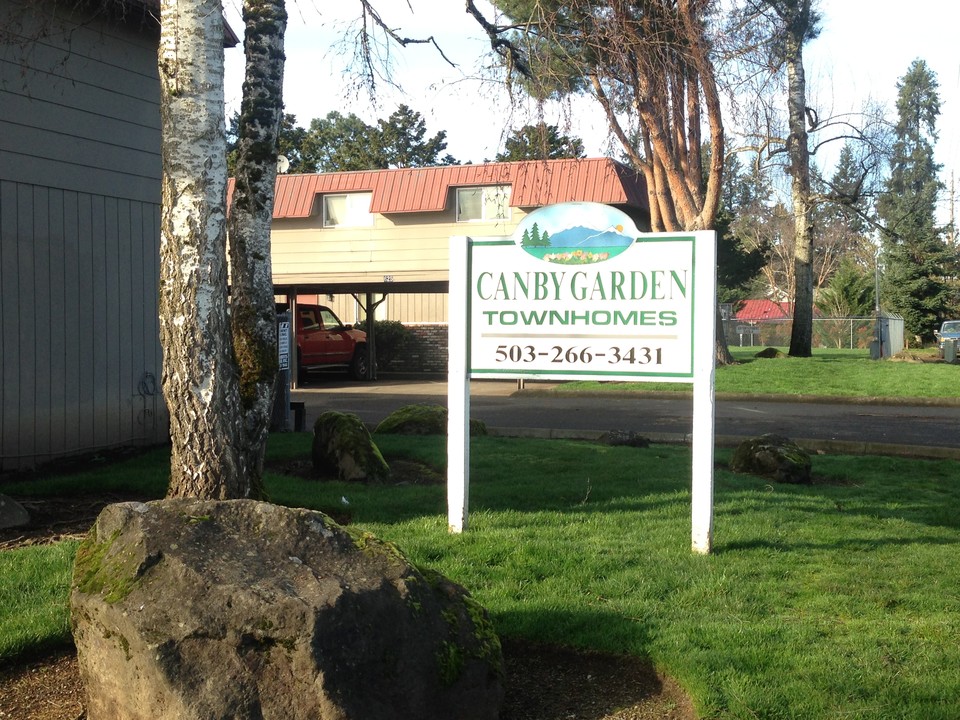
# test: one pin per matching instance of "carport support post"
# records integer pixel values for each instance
(458, 389)
(371, 339)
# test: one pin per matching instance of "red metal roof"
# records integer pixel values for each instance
(763, 309)
(534, 183)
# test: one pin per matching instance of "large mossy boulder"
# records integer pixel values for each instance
(773, 456)
(343, 448)
(192, 610)
(423, 419)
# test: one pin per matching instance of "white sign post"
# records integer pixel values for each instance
(579, 293)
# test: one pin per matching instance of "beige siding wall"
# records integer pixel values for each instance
(407, 308)
(405, 247)
(80, 358)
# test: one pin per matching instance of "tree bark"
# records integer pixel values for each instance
(801, 336)
(253, 318)
(199, 381)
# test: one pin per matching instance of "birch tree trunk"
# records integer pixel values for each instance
(254, 317)
(801, 336)
(199, 380)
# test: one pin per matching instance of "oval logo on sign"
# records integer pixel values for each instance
(576, 233)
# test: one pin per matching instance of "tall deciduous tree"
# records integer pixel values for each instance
(199, 378)
(776, 31)
(253, 317)
(649, 67)
(211, 444)
(916, 260)
(766, 40)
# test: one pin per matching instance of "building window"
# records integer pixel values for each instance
(349, 210)
(483, 204)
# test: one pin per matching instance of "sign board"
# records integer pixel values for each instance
(577, 293)
(283, 344)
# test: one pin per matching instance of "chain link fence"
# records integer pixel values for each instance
(840, 332)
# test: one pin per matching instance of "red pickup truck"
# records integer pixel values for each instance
(323, 343)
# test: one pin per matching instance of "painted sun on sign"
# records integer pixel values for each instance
(577, 233)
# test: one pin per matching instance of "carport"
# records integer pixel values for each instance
(366, 296)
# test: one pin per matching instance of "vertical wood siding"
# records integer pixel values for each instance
(80, 357)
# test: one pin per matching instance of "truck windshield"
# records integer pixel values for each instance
(951, 327)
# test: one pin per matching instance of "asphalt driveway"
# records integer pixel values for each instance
(858, 426)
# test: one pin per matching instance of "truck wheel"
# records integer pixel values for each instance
(358, 368)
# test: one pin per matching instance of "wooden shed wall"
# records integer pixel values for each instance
(80, 357)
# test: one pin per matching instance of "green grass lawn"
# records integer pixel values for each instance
(834, 600)
(837, 373)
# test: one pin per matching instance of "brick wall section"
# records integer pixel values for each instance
(430, 352)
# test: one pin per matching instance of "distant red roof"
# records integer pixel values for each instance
(763, 309)
(534, 183)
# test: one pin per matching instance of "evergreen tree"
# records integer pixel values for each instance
(738, 262)
(540, 142)
(916, 260)
(400, 141)
(339, 143)
(850, 292)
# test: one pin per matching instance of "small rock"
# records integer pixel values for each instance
(342, 446)
(630, 438)
(12, 513)
(423, 419)
(773, 456)
(770, 352)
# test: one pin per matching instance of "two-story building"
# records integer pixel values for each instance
(340, 238)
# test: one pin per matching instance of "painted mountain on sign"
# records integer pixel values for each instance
(576, 233)
(584, 237)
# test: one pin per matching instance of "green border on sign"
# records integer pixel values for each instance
(640, 375)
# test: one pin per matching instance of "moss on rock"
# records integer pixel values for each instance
(423, 419)
(342, 446)
(97, 571)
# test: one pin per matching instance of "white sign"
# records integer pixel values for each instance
(579, 292)
(626, 318)
(283, 344)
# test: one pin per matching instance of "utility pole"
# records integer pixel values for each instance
(952, 227)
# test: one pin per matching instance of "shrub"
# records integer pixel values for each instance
(394, 342)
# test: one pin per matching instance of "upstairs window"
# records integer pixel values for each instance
(348, 210)
(483, 204)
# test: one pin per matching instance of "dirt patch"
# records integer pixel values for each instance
(543, 682)
(53, 519)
